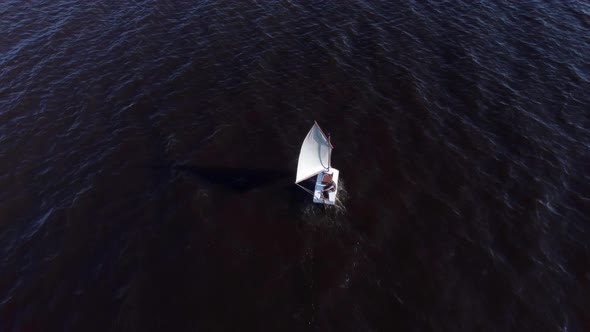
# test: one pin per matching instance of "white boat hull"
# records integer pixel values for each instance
(318, 195)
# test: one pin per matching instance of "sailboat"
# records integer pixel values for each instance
(314, 160)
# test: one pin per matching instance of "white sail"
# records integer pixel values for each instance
(315, 154)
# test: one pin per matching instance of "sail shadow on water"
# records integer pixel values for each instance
(276, 182)
(237, 179)
(270, 183)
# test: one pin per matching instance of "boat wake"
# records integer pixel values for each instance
(340, 206)
(324, 216)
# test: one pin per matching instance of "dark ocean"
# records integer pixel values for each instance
(148, 152)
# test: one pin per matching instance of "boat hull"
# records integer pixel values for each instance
(318, 195)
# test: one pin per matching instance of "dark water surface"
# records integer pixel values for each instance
(148, 153)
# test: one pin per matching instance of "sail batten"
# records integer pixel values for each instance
(314, 156)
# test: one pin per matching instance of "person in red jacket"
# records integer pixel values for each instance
(328, 187)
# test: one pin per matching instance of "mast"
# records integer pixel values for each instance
(330, 153)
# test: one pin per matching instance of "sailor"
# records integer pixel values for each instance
(329, 187)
